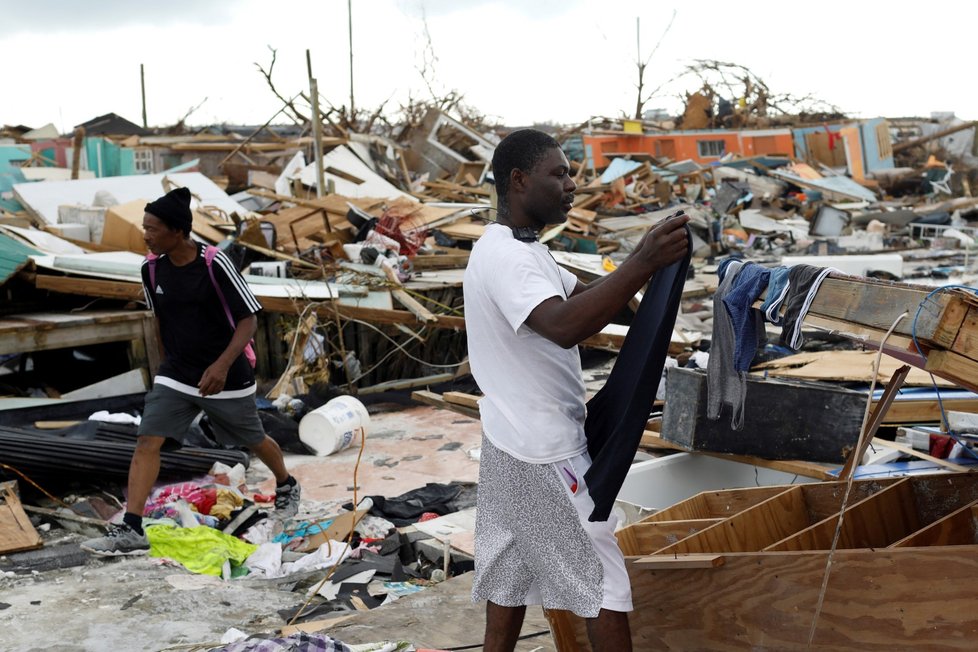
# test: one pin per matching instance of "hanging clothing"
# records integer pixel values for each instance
(617, 414)
(724, 384)
(747, 321)
(804, 282)
(777, 290)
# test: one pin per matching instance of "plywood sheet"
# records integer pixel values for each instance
(843, 366)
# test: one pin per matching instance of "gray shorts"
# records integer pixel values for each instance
(534, 543)
(169, 413)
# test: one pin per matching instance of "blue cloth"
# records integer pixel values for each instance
(777, 290)
(748, 326)
(724, 264)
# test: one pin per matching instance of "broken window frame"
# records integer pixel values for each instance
(705, 148)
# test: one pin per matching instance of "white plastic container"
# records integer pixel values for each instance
(334, 426)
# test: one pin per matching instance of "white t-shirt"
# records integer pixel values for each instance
(533, 406)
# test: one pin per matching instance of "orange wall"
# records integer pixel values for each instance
(680, 145)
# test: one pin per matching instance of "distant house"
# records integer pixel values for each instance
(703, 146)
(104, 152)
(861, 147)
(111, 124)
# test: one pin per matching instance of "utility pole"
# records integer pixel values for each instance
(349, 26)
(142, 84)
(76, 150)
(317, 128)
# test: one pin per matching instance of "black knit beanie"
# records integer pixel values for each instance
(173, 209)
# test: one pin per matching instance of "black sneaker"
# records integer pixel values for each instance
(119, 540)
(287, 500)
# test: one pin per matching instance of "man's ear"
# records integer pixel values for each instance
(517, 180)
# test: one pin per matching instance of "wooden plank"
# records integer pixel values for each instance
(716, 504)
(42, 336)
(753, 529)
(406, 383)
(129, 291)
(65, 515)
(873, 424)
(461, 398)
(825, 499)
(966, 342)
(16, 531)
(768, 604)
(909, 450)
(842, 366)
(923, 411)
(958, 528)
(406, 300)
(954, 366)
(878, 303)
(679, 562)
(646, 538)
(876, 601)
(436, 400)
(423, 262)
(874, 522)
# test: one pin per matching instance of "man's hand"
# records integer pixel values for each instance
(665, 243)
(213, 379)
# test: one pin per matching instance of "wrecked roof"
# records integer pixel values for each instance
(14, 256)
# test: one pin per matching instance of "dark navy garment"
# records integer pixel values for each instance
(777, 289)
(618, 413)
(747, 322)
(804, 283)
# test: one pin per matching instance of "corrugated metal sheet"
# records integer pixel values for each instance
(13, 256)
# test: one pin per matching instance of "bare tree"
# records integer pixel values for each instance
(297, 115)
(640, 100)
(751, 100)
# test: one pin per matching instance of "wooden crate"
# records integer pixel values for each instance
(743, 569)
(783, 420)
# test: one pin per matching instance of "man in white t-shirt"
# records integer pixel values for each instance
(524, 317)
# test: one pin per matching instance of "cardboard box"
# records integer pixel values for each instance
(123, 228)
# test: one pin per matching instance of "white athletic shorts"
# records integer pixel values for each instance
(534, 544)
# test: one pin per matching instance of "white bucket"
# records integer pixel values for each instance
(333, 426)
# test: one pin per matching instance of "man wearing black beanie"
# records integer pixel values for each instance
(204, 366)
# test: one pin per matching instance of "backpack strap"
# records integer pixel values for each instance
(151, 259)
(210, 252)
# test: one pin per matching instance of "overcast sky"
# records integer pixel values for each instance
(66, 61)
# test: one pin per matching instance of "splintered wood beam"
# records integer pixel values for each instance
(878, 303)
(874, 422)
(954, 367)
(407, 383)
(463, 399)
(437, 400)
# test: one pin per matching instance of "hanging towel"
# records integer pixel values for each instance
(618, 413)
